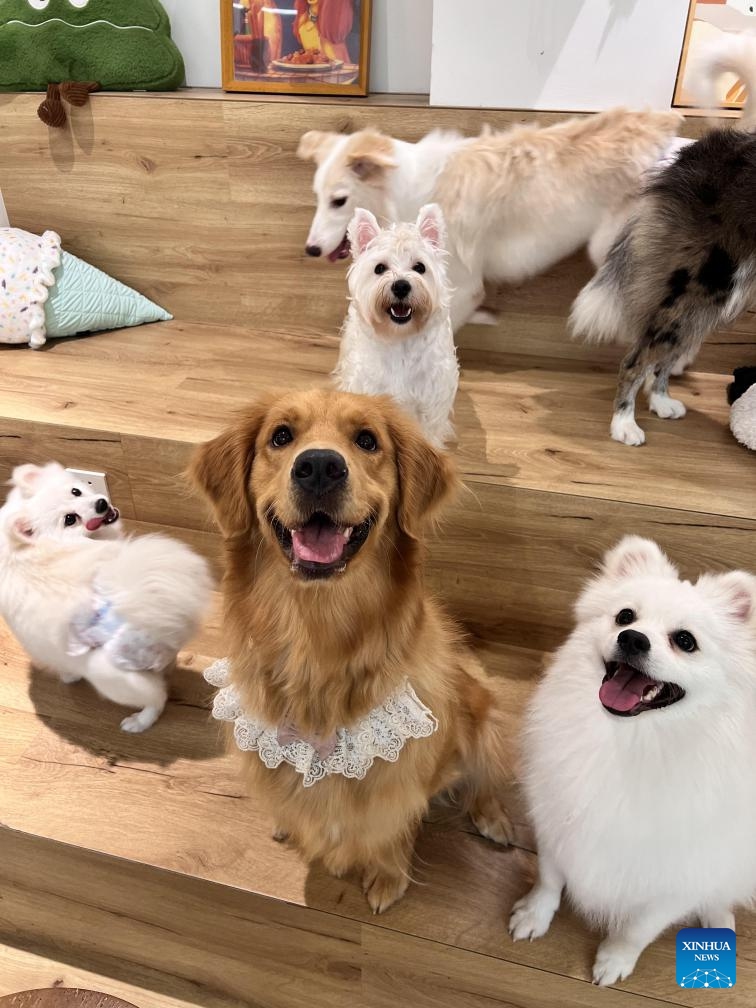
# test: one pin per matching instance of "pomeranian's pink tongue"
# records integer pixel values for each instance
(94, 523)
(625, 689)
(319, 543)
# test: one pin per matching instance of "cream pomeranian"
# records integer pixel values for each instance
(114, 612)
(640, 757)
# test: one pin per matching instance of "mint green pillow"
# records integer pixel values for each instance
(46, 292)
(85, 299)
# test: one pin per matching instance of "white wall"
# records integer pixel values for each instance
(401, 45)
(195, 26)
(572, 55)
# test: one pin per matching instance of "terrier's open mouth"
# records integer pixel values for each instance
(341, 251)
(400, 312)
(97, 521)
(321, 548)
(625, 691)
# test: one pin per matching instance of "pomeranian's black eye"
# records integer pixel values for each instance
(281, 437)
(685, 640)
(624, 617)
(419, 267)
(381, 268)
(70, 519)
(366, 440)
(339, 201)
(76, 492)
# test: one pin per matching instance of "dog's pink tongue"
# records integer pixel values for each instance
(341, 252)
(625, 689)
(318, 543)
(94, 523)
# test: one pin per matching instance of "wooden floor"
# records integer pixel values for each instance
(101, 815)
(135, 865)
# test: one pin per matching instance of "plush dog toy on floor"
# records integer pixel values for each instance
(741, 395)
(640, 757)
(397, 339)
(114, 612)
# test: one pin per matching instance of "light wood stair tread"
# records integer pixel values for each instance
(525, 422)
(171, 800)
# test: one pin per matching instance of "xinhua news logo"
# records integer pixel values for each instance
(706, 958)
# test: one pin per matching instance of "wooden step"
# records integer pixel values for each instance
(204, 207)
(139, 858)
(548, 490)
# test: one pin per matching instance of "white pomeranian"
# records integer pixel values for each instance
(114, 612)
(640, 757)
(58, 504)
(397, 339)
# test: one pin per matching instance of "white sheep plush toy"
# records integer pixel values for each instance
(741, 395)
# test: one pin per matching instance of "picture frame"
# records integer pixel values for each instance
(708, 19)
(316, 47)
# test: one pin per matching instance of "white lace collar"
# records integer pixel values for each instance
(350, 752)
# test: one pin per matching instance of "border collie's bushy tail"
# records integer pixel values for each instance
(730, 54)
(596, 315)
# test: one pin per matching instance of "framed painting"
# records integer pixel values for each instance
(296, 46)
(708, 20)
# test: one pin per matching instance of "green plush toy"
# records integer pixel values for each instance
(73, 47)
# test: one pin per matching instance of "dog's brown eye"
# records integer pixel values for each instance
(685, 640)
(366, 441)
(281, 437)
(339, 201)
(419, 267)
(76, 492)
(380, 268)
(70, 520)
(624, 617)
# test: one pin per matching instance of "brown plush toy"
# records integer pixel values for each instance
(52, 111)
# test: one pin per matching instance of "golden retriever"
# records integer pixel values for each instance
(322, 499)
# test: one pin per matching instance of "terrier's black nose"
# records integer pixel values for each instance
(101, 506)
(313, 250)
(401, 288)
(319, 471)
(632, 643)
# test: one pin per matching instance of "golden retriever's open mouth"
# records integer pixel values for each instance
(626, 691)
(321, 548)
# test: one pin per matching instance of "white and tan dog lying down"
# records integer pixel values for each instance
(515, 202)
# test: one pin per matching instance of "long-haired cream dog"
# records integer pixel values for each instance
(515, 202)
(351, 694)
(640, 757)
(685, 261)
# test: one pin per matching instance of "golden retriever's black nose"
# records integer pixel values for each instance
(101, 506)
(401, 288)
(319, 471)
(633, 643)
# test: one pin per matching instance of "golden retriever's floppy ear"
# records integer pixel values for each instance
(369, 155)
(427, 476)
(316, 145)
(221, 468)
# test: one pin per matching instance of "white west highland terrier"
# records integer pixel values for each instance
(397, 339)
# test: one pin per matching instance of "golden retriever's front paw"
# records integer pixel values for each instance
(383, 889)
(491, 821)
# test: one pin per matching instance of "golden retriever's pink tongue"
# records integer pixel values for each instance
(625, 689)
(318, 543)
